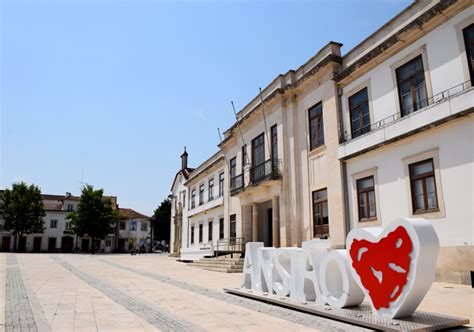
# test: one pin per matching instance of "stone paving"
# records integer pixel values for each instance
(41, 292)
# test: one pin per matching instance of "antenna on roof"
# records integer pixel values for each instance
(241, 136)
(82, 180)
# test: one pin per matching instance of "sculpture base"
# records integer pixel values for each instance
(360, 315)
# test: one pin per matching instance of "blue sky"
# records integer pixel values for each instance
(117, 88)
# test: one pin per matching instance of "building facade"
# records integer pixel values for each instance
(133, 230)
(57, 236)
(356, 140)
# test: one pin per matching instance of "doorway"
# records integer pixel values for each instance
(51, 244)
(269, 228)
(36, 244)
(6, 242)
(22, 244)
(121, 245)
(85, 245)
(67, 244)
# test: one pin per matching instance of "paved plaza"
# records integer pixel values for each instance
(41, 292)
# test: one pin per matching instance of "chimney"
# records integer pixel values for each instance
(184, 159)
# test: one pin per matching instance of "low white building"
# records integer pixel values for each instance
(133, 230)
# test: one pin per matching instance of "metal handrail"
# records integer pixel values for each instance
(236, 183)
(413, 109)
(269, 169)
(229, 245)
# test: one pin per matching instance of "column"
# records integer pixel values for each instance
(254, 222)
(276, 221)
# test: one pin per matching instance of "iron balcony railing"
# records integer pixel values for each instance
(268, 170)
(236, 184)
(419, 106)
(229, 246)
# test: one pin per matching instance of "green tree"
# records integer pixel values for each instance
(161, 220)
(22, 210)
(95, 215)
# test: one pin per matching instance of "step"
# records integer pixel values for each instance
(221, 269)
(218, 263)
(239, 267)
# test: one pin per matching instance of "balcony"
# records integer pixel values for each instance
(426, 113)
(236, 184)
(268, 170)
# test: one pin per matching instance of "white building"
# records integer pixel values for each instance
(382, 132)
(133, 230)
(409, 127)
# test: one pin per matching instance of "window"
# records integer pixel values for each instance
(184, 198)
(200, 233)
(209, 231)
(366, 199)
(192, 234)
(316, 126)
(210, 190)
(201, 194)
(133, 225)
(359, 110)
(233, 228)
(70, 207)
(244, 156)
(468, 34)
(221, 184)
(274, 133)
(144, 226)
(66, 226)
(320, 213)
(221, 228)
(258, 150)
(193, 199)
(423, 186)
(108, 243)
(411, 86)
(53, 223)
(233, 167)
(122, 225)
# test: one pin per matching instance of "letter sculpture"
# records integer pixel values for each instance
(394, 267)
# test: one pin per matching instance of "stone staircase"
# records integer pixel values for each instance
(220, 264)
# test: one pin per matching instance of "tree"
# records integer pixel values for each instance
(95, 215)
(161, 221)
(22, 210)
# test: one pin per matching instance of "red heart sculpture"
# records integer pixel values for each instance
(383, 266)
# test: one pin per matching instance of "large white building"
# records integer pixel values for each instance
(355, 140)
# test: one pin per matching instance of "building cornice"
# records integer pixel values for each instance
(421, 25)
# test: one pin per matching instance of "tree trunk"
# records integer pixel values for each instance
(15, 241)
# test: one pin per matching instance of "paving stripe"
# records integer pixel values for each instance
(266, 308)
(150, 312)
(18, 312)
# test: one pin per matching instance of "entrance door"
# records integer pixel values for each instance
(320, 214)
(270, 227)
(22, 244)
(37, 244)
(67, 244)
(121, 245)
(6, 241)
(85, 245)
(51, 244)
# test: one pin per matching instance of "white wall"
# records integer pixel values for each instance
(454, 144)
(446, 63)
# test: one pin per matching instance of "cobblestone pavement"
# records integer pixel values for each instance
(18, 313)
(151, 292)
(151, 313)
(269, 309)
